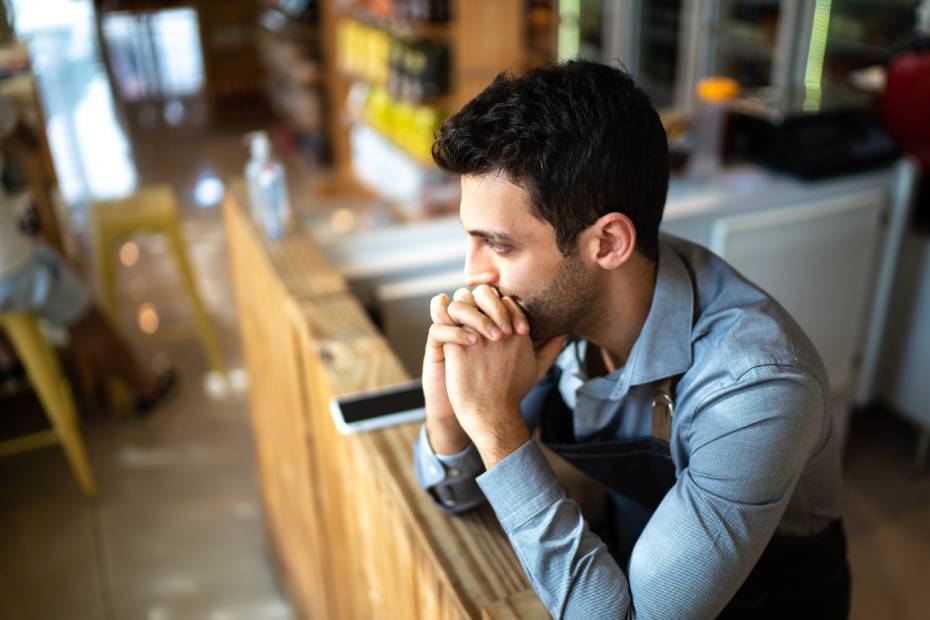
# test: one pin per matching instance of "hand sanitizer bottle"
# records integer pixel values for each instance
(267, 187)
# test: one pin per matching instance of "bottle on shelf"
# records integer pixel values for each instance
(267, 187)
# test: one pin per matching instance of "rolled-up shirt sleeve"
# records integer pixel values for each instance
(749, 442)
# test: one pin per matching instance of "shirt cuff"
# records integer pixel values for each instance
(435, 468)
(520, 486)
(450, 479)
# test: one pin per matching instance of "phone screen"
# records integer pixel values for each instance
(383, 402)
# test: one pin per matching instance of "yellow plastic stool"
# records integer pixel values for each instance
(152, 209)
(47, 380)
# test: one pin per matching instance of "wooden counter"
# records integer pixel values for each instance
(351, 531)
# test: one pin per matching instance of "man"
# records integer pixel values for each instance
(645, 361)
(34, 279)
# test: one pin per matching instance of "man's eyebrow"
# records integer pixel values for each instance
(498, 237)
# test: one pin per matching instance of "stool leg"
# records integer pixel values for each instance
(207, 338)
(45, 375)
(105, 266)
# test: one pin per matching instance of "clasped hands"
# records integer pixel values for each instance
(479, 364)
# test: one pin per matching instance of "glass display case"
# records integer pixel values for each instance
(582, 29)
(781, 52)
(670, 44)
(658, 49)
(742, 41)
(642, 36)
(862, 33)
(762, 44)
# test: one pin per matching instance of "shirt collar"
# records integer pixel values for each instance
(663, 348)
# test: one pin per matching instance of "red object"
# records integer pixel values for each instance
(906, 105)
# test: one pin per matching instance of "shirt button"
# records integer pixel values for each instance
(453, 473)
(449, 502)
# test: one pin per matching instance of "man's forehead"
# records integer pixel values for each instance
(493, 204)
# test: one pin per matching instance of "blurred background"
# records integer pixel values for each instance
(799, 134)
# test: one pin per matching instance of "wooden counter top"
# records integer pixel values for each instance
(353, 534)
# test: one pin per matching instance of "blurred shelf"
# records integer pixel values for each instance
(857, 48)
(418, 159)
(744, 48)
(283, 59)
(380, 165)
(661, 34)
(290, 48)
(291, 18)
(483, 37)
(291, 30)
(899, 5)
(440, 101)
(401, 27)
(541, 18)
(304, 75)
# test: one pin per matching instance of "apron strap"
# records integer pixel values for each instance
(663, 408)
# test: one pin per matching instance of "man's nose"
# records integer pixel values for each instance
(478, 271)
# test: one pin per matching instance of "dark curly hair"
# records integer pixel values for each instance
(580, 137)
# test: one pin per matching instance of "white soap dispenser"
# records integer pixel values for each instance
(267, 187)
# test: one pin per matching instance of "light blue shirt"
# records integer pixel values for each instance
(752, 442)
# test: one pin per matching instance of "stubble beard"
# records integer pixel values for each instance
(559, 308)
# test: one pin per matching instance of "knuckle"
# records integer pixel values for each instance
(486, 292)
(441, 315)
(460, 308)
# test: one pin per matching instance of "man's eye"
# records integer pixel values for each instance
(496, 247)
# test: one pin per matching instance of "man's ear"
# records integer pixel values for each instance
(610, 241)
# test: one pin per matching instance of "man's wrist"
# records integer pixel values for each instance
(446, 436)
(508, 433)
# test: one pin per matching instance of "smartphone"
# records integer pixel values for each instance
(371, 409)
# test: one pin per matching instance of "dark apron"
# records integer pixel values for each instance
(806, 577)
